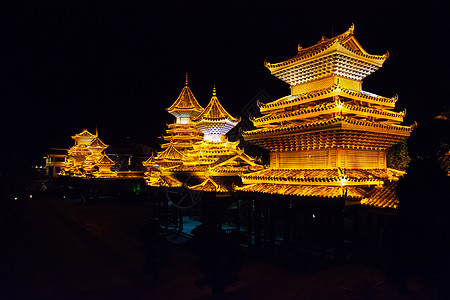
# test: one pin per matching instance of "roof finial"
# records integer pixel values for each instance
(214, 90)
(186, 78)
(352, 27)
(96, 130)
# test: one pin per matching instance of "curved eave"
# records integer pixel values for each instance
(329, 192)
(335, 90)
(334, 46)
(214, 111)
(171, 153)
(329, 108)
(331, 124)
(216, 121)
(186, 100)
(184, 112)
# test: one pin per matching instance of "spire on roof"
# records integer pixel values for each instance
(214, 111)
(215, 121)
(186, 105)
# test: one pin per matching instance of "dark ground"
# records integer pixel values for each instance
(61, 249)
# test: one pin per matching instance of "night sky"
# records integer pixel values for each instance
(118, 66)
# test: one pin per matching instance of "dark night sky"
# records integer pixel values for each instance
(65, 68)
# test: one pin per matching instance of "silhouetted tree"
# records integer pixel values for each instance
(155, 247)
(220, 256)
(419, 238)
(398, 157)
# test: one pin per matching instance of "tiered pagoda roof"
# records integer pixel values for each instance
(84, 137)
(215, 121)
(181, 135)
(337, 131)
(304, 99)
(332, 177)
(329, 135)
(205, 155)
(183, 132)
(335, 55)
(383, 196)
(186, 105)
(87, 158)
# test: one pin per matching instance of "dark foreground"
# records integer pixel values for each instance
(62, 249)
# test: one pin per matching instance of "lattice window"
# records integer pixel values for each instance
(304, 159)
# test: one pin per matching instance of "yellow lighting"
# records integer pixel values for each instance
(328, 137)
(86, 158)
(196, 144)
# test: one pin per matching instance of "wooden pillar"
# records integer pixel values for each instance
(158, 200)
(322, 231)
(180, 220)
(356, 232)
(271, 220)
(370, 223)
(287, 225)
(249, 222)
(166, 214)
(293, 223)
(339, 234)
(95, 189)
(238, 213)
(257, 222)
(267, 225)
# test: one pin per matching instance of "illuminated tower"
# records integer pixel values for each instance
(183, 133)
(214, 122)
(78, 153)
(329, 137)
(97, 148)
(207, 161)
(87, 157)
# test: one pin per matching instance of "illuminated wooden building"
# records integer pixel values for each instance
(183, 133)
(328, 138)
(55, 161)
(87, 157)
(198, 149)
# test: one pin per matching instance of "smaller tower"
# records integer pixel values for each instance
(215, 121)
(182, 134)
(186, 106)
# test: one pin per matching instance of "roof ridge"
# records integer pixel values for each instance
(215, 111)
(171, 152)
(324, 44)
(186, 100)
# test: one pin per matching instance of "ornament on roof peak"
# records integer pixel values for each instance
(351, 28)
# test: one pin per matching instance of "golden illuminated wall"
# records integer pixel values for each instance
(325, 83)
(329, 159)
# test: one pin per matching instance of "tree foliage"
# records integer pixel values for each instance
(397, 156)
(419, 238)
